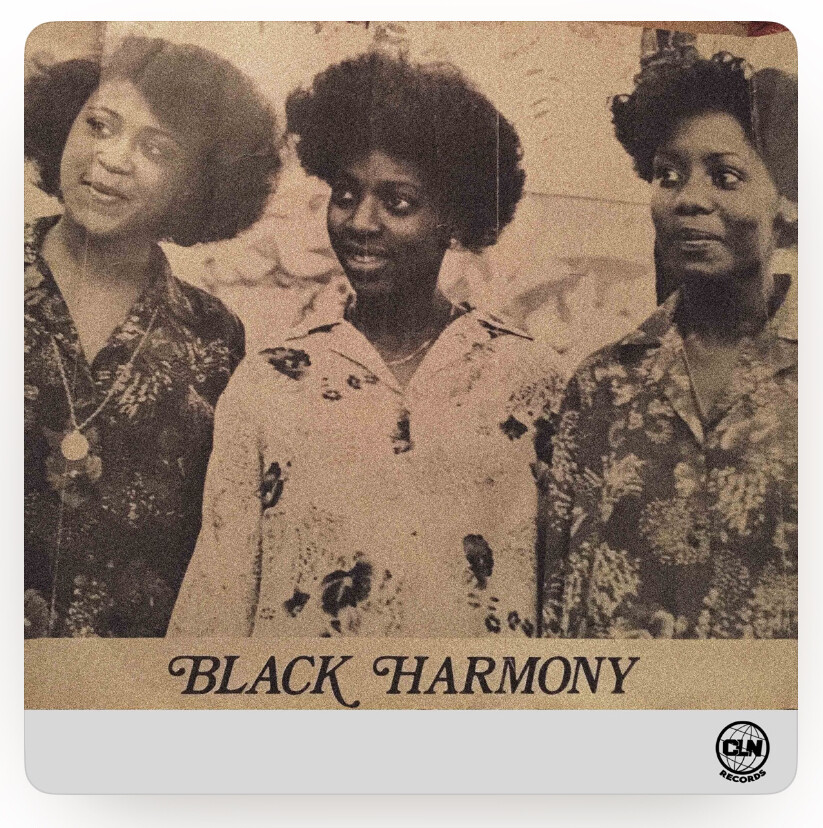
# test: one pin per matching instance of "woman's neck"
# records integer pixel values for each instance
(98, 280)
(127, 262)
(726, 311)
(395, 325)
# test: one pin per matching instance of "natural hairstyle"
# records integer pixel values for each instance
(190, 90)
(677, 83)
(426, 115)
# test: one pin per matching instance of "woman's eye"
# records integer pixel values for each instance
(727, 178)
(400, 206)
(342, 197)
(99, 127)
(667, 177)
(158, 151)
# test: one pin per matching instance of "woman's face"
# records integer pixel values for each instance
(714, 204)
(122, 169)
(383, 226)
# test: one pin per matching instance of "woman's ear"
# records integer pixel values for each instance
(787, 210)
(786, 222)
(448, 233)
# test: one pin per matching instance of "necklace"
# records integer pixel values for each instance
(409, 357)
(75, 446)
(453, 313)
(702, 411)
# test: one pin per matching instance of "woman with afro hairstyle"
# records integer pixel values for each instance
(123, 362)
(379, 483)
(673, 488)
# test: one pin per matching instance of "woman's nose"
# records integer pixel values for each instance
(365, 219)
(695, 196)
(115, 155)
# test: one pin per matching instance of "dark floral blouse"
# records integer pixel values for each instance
(660, 525)
(110, 529)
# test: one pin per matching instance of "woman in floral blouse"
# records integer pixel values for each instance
(123, 362)
(672, 497)
(371, 474)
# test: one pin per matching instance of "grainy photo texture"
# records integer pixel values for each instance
(432, 331)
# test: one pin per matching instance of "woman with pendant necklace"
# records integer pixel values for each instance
(371, 473)
(124, 363)
(673, 489)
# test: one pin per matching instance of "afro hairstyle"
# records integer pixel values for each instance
(427, 115)
(673, 85)
(193, 91)
(677, 83)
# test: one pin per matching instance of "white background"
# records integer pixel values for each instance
(23, 805)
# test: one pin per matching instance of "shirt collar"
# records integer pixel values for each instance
(774, 349)
(652, 331)
(471, 329)
(487, 325)
(782, 324)
(34, 234)
(164, 291)
(784, 320)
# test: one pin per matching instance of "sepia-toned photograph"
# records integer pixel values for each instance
(426, 331)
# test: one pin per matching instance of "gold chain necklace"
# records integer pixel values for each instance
(75, 446)
(453, 309)
(409, 357)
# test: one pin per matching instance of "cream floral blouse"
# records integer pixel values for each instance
(658, 525)
(339, 503)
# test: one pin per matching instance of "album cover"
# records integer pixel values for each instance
(422, 366)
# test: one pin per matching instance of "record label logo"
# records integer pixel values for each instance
(742, 748)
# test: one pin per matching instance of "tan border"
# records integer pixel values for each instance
(721, 27)
(691, 675)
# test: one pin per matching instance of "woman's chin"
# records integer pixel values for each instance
(97, 225)
(110, 225)
(707, 270)
(370, 284)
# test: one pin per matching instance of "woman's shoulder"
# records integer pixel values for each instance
(285, 362)
(528, 368)
(655, 331)
(206, 305)
(271, 383)
(517, 349)
(211, 318)
(596, 361)
(34, 232)
(295, 354)
(626, 365)
(37, 280)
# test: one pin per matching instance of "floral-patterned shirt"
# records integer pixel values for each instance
(339, 503)
(660, 525)
(108, 534)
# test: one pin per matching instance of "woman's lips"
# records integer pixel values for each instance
(103, 193)
(693, 240)
(364, 259)
(695, 234)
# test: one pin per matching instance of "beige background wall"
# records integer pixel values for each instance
(575, 266)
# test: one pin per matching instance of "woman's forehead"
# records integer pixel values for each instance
(707, 133)
(124, 101)
(379, 167)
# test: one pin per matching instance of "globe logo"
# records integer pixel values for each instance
(742, 748)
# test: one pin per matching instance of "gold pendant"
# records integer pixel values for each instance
(74, 446)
